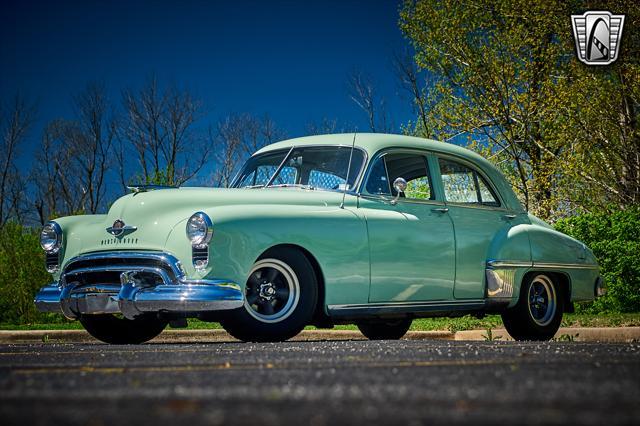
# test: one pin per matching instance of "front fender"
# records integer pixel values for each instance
(73, 228)
(335, 237)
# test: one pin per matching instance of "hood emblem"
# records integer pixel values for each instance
(119, 228)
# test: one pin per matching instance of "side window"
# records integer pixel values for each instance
(486, 195)
(413, 168)
(464, 185)
(378, 182)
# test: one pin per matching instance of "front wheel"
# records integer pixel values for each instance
(538, 313)
(280, 298)
(385, 330)
(121, 331)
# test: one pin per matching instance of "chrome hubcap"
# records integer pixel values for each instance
(267, 291)
(272, 291)
(542, 300)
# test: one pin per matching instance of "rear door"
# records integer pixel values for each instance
(478, 216)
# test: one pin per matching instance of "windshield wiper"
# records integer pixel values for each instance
(273, 176)
(292, 185)
(253, 186)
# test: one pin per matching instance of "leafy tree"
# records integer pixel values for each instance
(505, 75)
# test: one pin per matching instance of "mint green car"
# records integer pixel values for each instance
(368, 229)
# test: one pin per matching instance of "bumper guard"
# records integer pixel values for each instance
(142, 289)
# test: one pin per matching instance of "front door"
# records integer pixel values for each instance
(412, 249)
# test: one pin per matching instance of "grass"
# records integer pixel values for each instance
(422, 324)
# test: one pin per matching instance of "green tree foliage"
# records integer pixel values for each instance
(22, 273)
(506, 75)
(614, 237)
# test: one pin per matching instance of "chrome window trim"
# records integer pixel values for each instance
(483, 174)
(361, 192)
(478, 206)
(387, 199)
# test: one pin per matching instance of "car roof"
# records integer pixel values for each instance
(370, 142)
(374, 142)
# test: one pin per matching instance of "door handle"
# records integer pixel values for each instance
(440, 210)
(509, 216)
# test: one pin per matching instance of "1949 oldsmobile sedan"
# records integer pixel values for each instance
(368, 229)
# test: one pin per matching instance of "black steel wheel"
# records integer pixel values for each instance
(385, 330)
(281, 293)
(538, 313)
(121, 331)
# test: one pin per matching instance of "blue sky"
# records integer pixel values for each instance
(288, 59)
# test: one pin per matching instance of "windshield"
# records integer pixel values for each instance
(312, 167)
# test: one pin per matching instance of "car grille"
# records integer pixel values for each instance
(52, 261)
(200, 256)
(105, 268)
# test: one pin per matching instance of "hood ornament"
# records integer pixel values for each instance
(145, 188)
(119, 228)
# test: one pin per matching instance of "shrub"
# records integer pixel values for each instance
(614, 237)
(22, 273)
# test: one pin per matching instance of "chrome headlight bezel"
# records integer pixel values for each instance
(199, 229)
(51, 237)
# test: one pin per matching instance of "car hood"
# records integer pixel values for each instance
(154, 214)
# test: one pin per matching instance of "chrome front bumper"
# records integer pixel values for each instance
(149, 282)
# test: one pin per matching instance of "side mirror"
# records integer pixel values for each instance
(400, 185)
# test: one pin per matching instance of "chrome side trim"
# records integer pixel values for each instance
(404, 308)
(550, 265)
(508, 264)
(544, 265)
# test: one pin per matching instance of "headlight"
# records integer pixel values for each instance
(51, 237)
(199, 229)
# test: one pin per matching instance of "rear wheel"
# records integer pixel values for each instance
(385, 330)
(122, 331)
(280, 298)
(538, 313)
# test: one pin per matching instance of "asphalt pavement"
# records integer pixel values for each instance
(404, 382)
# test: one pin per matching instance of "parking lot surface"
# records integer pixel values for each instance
(321, 383)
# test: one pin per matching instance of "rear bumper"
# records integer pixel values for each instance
(599, 289)
(133, 300)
